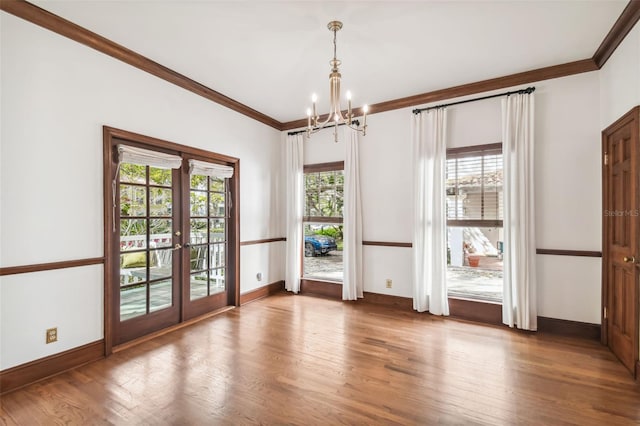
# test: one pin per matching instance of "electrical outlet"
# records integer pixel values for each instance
(259, 276)
(389, 283)
(52, 335)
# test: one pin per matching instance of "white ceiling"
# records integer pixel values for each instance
(272, 55)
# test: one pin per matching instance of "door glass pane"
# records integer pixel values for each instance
(160, 295)
(198, 182)
(199, 258)
(198, 285)
(217, 230)
(133, 200)
(133, 234)
(133, 173)
(217, 281)
(216, 255)
(161, 177)
(160, 230)
(133, 302)
(161, 202)
(198, 203)
(198, 231)
(161, 263)
(133, 267)
(216, 184)
(216, 204)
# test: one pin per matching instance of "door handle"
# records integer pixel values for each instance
(177, 247)
(631, 259)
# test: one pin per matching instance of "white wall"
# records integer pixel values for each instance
(620, 80)
(56, 96)
(567, 189)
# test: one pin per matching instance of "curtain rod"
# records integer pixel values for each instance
(528, 90)
(297, 132)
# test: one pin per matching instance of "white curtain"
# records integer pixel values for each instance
(430, 232)
(352, 285)
(519, 299)
(204, 168)
(295, 201)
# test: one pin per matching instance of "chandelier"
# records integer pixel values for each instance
(335, 116)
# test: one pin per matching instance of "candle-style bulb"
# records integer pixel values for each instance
(314, 98)
(348, 95)
(365, 108)
(308, 112)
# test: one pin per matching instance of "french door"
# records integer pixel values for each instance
(171, 239)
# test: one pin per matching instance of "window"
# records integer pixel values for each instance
(474, 222)
(324, 198)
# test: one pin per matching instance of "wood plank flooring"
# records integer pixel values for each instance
(312, 361)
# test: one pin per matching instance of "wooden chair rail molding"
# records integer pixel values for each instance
(386, 244)
(263, 241)
(39, 267)
(555, 252)
(579, 253)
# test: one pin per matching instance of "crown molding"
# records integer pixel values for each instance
(625, 23)
(45, 19)
(38, 16)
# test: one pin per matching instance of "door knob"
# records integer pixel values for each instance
(177, 246)
(629, 259)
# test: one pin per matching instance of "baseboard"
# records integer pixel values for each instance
(321, 288)
(40, 369)
(475, 310)
(404, 303)
(261, 292)
(569, 328)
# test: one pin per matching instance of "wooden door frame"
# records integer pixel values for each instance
(632, 115)
(110, 264)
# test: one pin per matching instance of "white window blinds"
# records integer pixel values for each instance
(474, 186)
(210, 169)
(145, 157)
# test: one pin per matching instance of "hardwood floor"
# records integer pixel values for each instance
(308, 360)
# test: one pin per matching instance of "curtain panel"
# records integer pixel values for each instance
(429, 228)
(294, 211)
(352, 286)
(519, 306)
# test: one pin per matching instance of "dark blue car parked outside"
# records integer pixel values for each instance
(315, 245)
